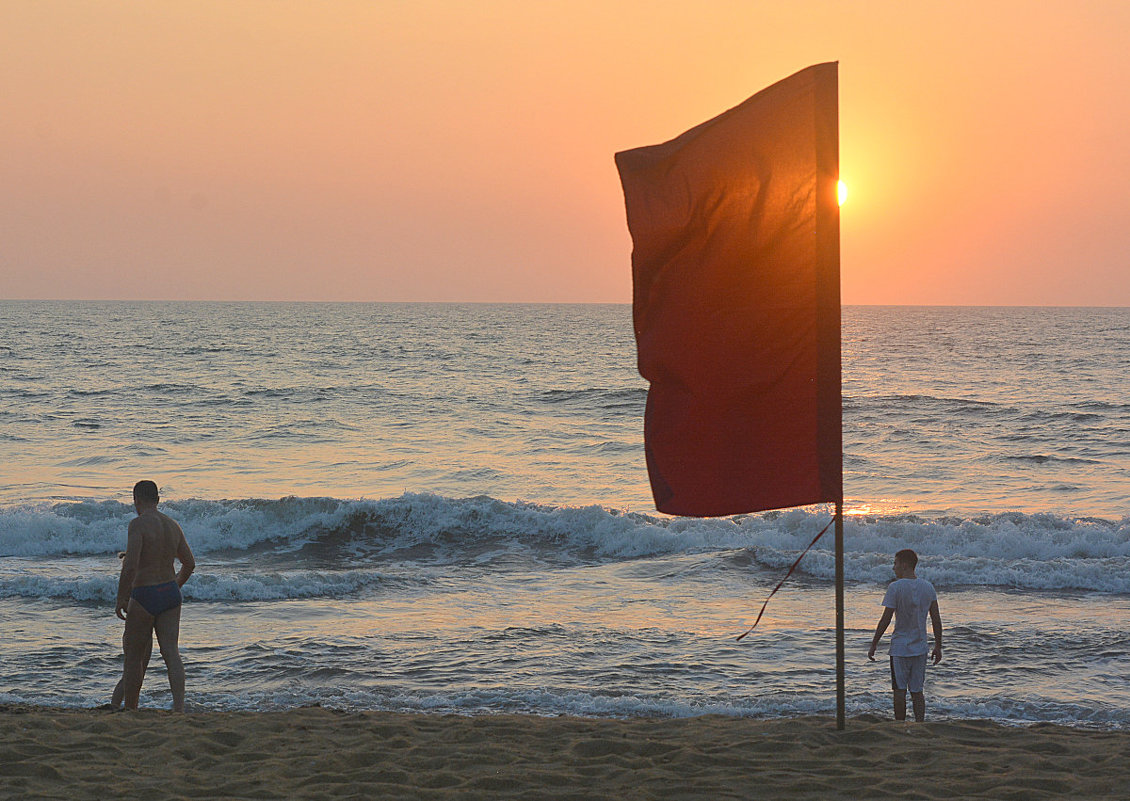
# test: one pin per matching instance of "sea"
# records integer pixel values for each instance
(444, 508)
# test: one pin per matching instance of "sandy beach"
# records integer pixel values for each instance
(317, 753)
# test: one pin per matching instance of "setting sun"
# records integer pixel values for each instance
(841, 191)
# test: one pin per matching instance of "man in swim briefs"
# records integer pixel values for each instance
(149, 593)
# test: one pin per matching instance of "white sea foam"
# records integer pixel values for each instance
(1044, 551)
(1041, 552)
(543, 702)
(218, 586)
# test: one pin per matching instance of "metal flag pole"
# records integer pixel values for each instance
(840, 614)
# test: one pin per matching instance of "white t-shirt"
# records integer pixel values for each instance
(911, 599)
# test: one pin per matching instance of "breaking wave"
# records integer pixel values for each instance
(312, 547)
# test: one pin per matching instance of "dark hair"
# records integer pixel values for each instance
(907, 557)
(146, 491)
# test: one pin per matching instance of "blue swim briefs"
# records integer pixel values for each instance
(157, 598)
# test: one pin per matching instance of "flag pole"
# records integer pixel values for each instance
(840, 615)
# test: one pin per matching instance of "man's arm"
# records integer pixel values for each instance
(187, 561)
(936, 620)
(129, 568)
(884, 621)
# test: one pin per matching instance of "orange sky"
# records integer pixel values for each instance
(462, 151)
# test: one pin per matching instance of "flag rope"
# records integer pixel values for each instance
(823, 531)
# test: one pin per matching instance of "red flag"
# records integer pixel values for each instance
(736, 302)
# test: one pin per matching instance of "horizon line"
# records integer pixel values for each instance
(537, 303)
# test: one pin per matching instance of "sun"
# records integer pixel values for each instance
(841, 192)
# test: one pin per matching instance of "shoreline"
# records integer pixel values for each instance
(319, 753)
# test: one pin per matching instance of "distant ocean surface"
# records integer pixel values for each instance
(445, 508)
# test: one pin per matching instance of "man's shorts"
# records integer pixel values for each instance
(908, 673)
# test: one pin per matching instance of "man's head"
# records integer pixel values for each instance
(905, 562)
(145, 494)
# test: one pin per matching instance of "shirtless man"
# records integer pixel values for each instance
(149, 593)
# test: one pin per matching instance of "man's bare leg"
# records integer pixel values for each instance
(900, 704)
(137, 637)
(918, 700)
(120, 689)
(168, 634)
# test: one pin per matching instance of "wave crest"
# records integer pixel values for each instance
(1033, 551)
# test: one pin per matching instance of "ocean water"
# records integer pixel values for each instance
(445, 508)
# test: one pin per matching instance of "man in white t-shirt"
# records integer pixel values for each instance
(909, 599)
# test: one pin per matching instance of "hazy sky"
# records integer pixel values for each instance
(450, 150)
